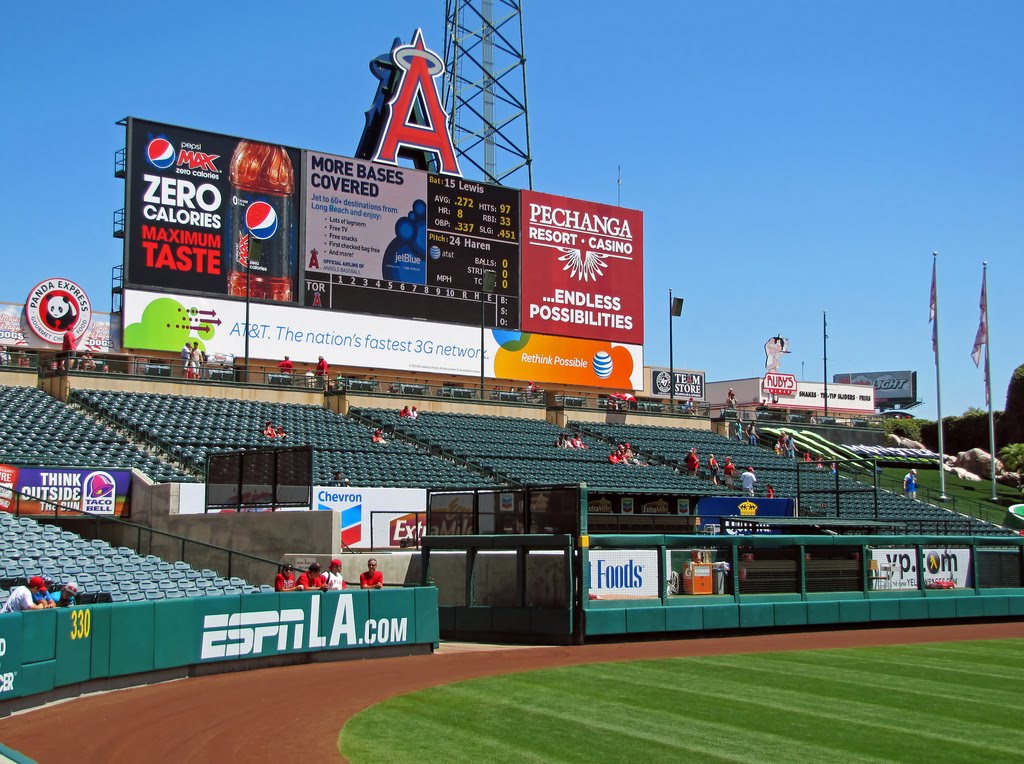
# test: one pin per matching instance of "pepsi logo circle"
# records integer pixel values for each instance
(54, 307)
(603, 365)
(160, 153)
(261, 220)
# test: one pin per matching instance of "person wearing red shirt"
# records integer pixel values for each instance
(713, 469)
(771, 491)
(69, 346)
(321, 371)
(285, 581)
(371, 578)
(312, 579)
(692, 462)
(268, 430)
(286, 366)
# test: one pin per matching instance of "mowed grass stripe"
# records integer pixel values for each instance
(849, 718)
(870, 704)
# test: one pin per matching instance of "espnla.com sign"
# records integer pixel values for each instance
(280, 630)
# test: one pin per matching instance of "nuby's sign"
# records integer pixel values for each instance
(779, 384)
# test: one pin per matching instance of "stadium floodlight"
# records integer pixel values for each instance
(675, 309)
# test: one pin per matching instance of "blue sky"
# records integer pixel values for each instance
(790, 157)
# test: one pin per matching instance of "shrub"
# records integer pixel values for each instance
(1012, 457)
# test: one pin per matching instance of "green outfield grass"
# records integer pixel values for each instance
(952, 702)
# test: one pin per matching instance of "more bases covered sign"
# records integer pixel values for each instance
(44, 491)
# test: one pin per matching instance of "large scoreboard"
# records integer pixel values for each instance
(208, 214)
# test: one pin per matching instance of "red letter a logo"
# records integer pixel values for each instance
(419, 66)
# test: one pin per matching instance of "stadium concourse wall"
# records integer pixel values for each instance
(65, 652)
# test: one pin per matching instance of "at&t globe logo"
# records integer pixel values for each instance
(603, 365)
(160, 153)
(55, 306)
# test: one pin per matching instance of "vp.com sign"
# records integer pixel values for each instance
(898, 568)
(622, 572)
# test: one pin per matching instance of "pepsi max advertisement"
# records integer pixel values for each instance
(210, 213)
(34, 491)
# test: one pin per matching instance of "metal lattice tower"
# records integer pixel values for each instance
(484, 89)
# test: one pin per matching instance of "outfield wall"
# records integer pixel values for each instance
(65, 652)
(794, 581)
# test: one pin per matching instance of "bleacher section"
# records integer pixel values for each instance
(37, 430)
(189, 428)
(524, 451)
(819, 489)
(103, 573)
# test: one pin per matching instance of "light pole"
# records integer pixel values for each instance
(489, 280)
(824, 344)
(675, 309)
(248, 279)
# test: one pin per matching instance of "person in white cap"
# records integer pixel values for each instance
(910, 485)
(67, 595)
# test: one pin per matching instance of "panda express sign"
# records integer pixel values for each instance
(56, 305)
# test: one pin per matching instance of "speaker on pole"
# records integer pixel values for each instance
(677, 306)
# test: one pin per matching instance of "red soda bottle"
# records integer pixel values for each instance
(261, 252)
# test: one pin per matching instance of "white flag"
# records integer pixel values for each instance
(981, 338)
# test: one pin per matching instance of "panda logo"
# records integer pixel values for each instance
(60, 312)
(56, 306)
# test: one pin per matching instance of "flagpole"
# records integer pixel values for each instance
(938, 384)
(988, 379)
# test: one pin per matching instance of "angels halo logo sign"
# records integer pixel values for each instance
(56, 305)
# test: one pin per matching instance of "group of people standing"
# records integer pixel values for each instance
(193, 361)
(313, 580)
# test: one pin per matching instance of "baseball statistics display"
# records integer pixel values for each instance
(209, 214)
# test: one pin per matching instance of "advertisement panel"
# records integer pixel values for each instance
(155, 321)
(360, 509)
(784, 391)
(85, 491)
(712, 509)
(896, 568)
(102, 335)
(210, 213)
(688, 383)
(409, 244)
(582, 269)
(890, 386)
(623, 573)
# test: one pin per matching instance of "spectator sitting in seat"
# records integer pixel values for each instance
(730, 400)
(371, 578)
(615, 457)
(5, 356)
(629, 457)
(339, 480)
(23, 597)
(378, 436)
(577, 441)
(67, 595)
(692, 463)
(405, 412)
(688, 407)
(413, 413)
(87, 363)
(807, 457)
(281, 434)
(333, 577)
(268, 430)
(770, 492)
(312, 579)
(285, 580)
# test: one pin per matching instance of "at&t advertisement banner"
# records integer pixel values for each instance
(93, 492)
(164, 322)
